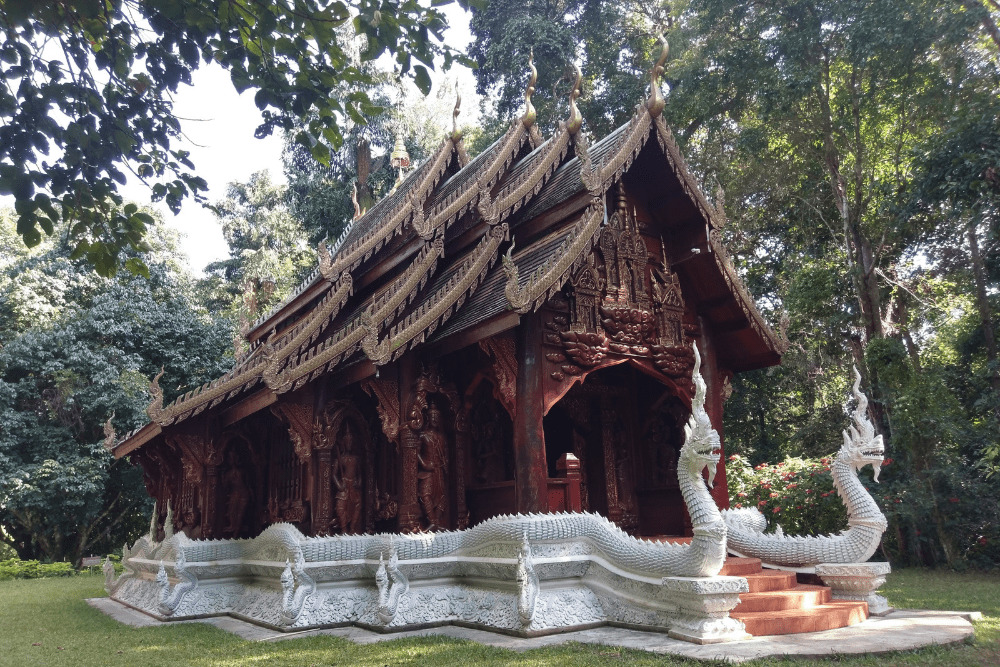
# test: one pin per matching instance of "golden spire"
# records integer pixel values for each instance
(655, 103)
(399, 158)
(575, 121)
(456, 134)
(529, 109)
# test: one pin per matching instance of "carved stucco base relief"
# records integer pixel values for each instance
(391, 583)
(857, 581)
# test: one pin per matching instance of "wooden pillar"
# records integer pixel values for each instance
(409, 448)
(213, 459)
(322, 493)
(608, 441)
(530, 468)
(460, 466)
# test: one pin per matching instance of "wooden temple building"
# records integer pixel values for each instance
(507, 333)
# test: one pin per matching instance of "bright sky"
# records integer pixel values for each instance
(219, 128)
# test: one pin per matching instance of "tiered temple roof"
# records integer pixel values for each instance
(462, 248)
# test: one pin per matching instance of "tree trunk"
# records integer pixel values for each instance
(985, 315)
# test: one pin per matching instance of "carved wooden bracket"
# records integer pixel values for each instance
(298, 418)
(502, 350)
(386, 395)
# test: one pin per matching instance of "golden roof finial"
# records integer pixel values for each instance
(529, 109)
(456, 134)
(575, 121)
(354, 200)
(655, 103)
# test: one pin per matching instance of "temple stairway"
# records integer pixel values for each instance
(778, 605)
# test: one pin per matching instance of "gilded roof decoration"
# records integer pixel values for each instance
(656, 103)
(528, 119)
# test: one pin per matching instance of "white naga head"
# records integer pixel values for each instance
(702, 445)
(861, 445)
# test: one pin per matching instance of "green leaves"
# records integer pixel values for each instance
(112, 73)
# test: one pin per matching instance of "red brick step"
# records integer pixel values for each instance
(790, 621)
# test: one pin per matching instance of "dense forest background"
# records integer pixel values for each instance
(855, 147)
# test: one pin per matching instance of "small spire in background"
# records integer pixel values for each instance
(399, 158)
(528, 119)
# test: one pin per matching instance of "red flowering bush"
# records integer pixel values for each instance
(796, 493)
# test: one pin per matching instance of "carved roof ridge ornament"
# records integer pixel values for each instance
(575, 120)
(110, 437)
(556, 270)
(362, 248)
(655, 104)
(530, 115)
(155, 408)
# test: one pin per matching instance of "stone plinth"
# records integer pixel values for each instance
(857, 581)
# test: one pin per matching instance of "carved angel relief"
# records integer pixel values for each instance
(619, 306)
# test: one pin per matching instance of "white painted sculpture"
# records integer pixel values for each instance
(866, 523)
(527, 584)
(525, 574)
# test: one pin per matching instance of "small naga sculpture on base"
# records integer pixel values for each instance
(866, 523)
(171, 599)
(390, 593)
(293, 597)
(527, 584)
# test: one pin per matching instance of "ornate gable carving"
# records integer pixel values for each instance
(621, 303)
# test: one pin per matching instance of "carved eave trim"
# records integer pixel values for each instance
(347, 259)
(209, 395)
(516, 194)
(302, 335)
(688, 183)
(551, 276)
(626, 149)
(349, 337)
(746, 303)
(435, 310)
(136, 439)
(449, 210)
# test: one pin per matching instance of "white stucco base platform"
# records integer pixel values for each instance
(900, 630)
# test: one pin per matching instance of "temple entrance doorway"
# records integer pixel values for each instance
(626, 428)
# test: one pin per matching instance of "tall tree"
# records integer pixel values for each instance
(88, 358)
(89, 85)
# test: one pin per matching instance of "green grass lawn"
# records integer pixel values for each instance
(47, 622)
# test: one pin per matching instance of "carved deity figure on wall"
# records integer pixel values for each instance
(433, 464)
(237, 493)
(347, 481)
